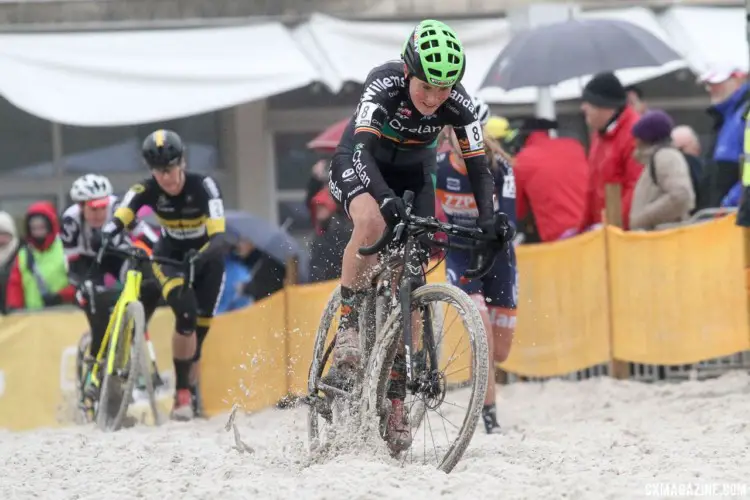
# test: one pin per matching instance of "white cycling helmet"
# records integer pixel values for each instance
(482, 110)
(90, 187)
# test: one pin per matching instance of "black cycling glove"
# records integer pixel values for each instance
(393, 210)
(487, 225)
(504, 230)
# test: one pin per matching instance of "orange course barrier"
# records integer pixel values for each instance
(667, 298)
(242, 361)
(678, 296)
(563, 312)
(38, 367)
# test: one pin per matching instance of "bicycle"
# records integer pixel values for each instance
(392, 296)
(127, 324)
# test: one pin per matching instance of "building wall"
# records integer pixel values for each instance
(80, 11)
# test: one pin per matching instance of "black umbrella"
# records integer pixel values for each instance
(550, 54)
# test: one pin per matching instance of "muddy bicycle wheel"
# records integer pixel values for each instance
(319, 411)
(117, 387)
(468, 367)
(145, 371)
(82, 415)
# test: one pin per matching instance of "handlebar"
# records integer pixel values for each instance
(186, 265)
(485, 246)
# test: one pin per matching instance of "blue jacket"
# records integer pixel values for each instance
(729, 140)
(732, 199)
(236, 273)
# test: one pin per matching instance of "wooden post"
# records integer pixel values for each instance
(613, 217)
(501, 376)
(613, 204)
(292, 272)
(290, 279)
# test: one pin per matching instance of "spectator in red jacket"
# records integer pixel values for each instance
(611, 160)
(551, 181)
(39, 277)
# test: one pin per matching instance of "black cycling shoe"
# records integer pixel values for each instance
(489, 417)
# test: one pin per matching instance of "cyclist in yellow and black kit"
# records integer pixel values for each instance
(190, 210)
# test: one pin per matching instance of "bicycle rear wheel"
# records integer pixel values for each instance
(84, 414)
(117, 386)
(376, 382)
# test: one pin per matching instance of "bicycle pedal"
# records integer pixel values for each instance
(321, 405)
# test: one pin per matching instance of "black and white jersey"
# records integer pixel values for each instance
(77, 236)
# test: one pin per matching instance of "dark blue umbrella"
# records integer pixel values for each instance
(553, 53)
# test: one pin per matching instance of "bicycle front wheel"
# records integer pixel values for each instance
(117, 385)
(460, 340)
(320, 411)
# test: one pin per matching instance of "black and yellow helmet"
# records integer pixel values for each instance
(162, 149)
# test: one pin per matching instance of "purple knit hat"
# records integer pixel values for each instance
(654, 126)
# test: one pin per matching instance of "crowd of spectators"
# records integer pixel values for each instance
(34, 274)
(663, 173)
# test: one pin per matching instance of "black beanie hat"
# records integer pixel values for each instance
(538, 124)
(605, 91)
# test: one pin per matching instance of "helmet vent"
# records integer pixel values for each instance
(428, 44)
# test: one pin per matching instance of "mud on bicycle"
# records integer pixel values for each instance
(432, 359)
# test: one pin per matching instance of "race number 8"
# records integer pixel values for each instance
(475, 136)
(364, 118)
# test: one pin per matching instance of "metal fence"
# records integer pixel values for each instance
(656, 373)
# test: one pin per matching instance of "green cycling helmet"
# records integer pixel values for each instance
(433, 53)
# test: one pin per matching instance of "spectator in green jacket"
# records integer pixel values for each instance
(39, 277)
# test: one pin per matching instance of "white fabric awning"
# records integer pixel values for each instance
(124, 78)
(132, 77)
(348, 50)
(708, 35)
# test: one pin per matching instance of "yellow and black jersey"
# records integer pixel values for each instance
(188, 220)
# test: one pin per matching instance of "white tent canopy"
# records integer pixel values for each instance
(123, 78)
(708, 35)
(348, 50)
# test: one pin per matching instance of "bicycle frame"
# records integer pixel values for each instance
(130, 293)
(406, 272)
(424, 229)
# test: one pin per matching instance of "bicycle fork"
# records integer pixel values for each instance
(415, 279)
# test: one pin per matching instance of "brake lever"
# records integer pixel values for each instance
(398, 230)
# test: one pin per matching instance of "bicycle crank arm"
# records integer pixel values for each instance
(333, 391)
